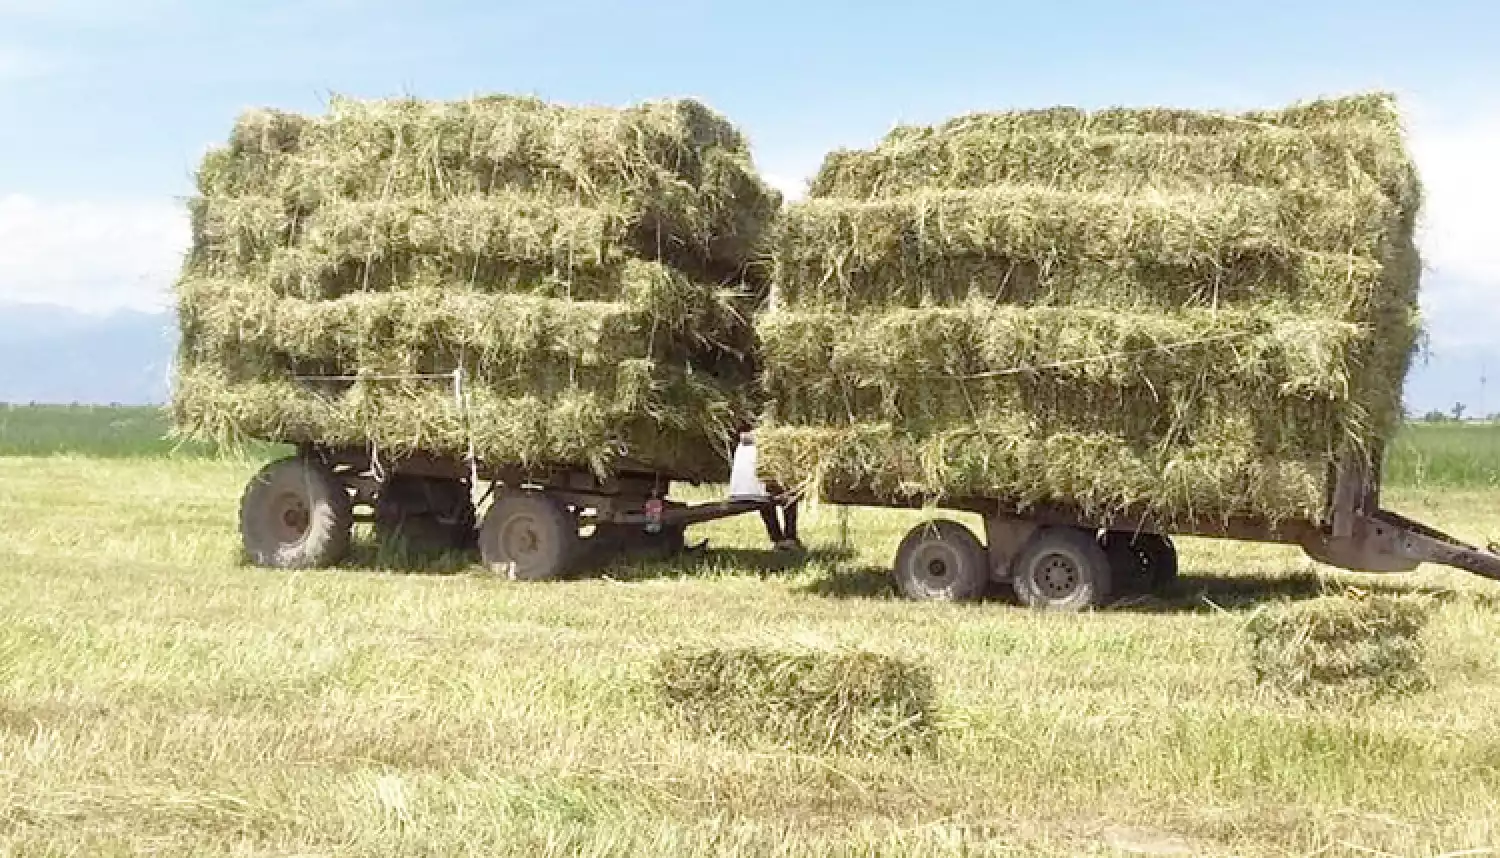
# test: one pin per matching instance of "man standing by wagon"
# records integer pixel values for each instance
(780, 514)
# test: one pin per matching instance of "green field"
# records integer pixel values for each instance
(1445, 454)
(156, 697)
(100, 431)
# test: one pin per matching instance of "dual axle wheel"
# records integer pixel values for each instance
(296, 513)
(1058, 568)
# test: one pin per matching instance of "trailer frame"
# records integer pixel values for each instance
(1358, 535)
(566, 515)
(1054, 555)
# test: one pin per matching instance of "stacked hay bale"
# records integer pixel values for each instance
(584, 267)
(1179, 313)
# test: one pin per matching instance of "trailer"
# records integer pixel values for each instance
(1057, 558)
(544, 523)
(540, 523)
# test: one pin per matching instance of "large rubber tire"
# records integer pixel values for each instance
(1141, 562)
(295, 514)
(941, 561)
(425, 515)
(1062, 569)
(528, 536)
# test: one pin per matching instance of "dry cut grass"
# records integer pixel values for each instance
(155, 697)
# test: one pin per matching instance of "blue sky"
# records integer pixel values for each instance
(108, 104)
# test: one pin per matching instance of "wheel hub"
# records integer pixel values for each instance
(521, 540)
(1057, 577)
(291, 516)
(936, 564)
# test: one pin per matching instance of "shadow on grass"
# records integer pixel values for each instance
(367, 554)
(852, 582)
(1190, 594)
(709, 561)
(1204, 593)
(874, 582)
(397, 558)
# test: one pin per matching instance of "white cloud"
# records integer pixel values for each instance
(1462, 178)
(90, 255)
(1460, 231)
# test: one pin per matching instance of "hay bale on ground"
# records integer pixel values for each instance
(807, 699)
(1168, 313)
(587, 268)
(1340, 648)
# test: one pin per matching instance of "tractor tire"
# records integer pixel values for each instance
(295, 514)
(1062, 569)
(528, 536)
(941, 561)
(1141, 562)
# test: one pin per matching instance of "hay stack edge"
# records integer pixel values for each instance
(1183, 314)
(585, 267)
(1340, 648)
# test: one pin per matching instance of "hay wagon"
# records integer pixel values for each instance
(1170, 322)
(544, 523)
(540, 523)
(1057, 558)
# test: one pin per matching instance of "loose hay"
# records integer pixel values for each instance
(1340, 648)
(588, 269)
(1169, 313)
(805, 699)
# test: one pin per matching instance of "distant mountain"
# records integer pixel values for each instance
(59, 356)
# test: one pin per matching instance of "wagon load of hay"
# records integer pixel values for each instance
(1187, 315)
(583, 268)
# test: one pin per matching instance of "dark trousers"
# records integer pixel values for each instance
(783, 528)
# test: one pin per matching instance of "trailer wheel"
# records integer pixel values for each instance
(295, 514)
(426, 515)
(1062, 569)
(941, 561)
(528, 536)
(1141, 562)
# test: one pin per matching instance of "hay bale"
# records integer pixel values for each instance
(1340, 648)
(866, 250)
(1156, 312)
(1125, 149)
(679, 172)
(1097, 472)
(586, 267)
(642, 412)
(818, 700)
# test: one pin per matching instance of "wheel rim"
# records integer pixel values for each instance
(523, 541)
(1057, 577)
(291, 517)
(936, 565)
